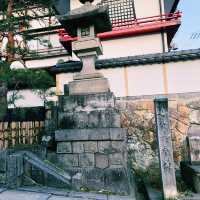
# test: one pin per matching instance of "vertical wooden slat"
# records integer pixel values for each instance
(13, 133)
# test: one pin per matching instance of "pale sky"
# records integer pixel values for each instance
(188, 36)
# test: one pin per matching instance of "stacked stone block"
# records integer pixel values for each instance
(91, 141)
(99, 147)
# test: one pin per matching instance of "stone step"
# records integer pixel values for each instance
(91, 134)
(47, 167)
(55, 194)
(191, 175)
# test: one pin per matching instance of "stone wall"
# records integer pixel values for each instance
(137, 114)
(91, 144)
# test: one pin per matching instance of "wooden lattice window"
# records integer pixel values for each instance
(120, 11)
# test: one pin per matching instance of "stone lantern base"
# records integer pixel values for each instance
(89, 86)
(91, 144)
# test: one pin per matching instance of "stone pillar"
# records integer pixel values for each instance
(165, 148)
(15, 170)
(194, 144)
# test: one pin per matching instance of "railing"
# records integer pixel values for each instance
(47, 52)
(20, 133)
(22, 127)
(118, 25)
(131, 27)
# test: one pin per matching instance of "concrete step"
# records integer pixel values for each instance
(52, 194)
(191, 175)
(47, 167)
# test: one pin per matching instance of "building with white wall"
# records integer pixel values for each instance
(136, 53)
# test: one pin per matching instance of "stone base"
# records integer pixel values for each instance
(191, 175)
(81, 76)
(113, 180)
(88, 86)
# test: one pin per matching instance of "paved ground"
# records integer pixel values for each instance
(49, 194)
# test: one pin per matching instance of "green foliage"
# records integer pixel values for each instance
(37, 80)
(151, 175)
(33, 79)
(18, 23)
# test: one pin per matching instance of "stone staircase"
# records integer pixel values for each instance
(47, 167)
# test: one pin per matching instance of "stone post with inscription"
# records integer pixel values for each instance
(165, 148)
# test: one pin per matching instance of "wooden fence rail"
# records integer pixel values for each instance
(23, 132)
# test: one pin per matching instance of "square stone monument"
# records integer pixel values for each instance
(91, 144)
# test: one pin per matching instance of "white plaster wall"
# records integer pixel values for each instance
(29, 99)
(47, 62)
(181, 77)
(145, 80)
(143, 8)
(147, 8)
(142, 80)
(115, 77)
(61, 80)
(131, 46)
(184, 76)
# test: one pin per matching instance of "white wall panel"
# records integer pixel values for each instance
(145, 80)
(184, 76)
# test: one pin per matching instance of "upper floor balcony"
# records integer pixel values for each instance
(168, 22)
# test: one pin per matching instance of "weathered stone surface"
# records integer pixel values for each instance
(78, 147)
(108, 118)
(14, 170)
(81, 119)
(71, 135)
(69, 103)
(95, 134)
(46, 194)
(69, 160)
(77, 181)
(89, 86)
(101, 161)
(66, 120)
(86, 195)
(64, 147)
(194, 144)
(112, 197)
(191, 175)
(118, 133)
(116, 159)
(90, 147)
(104, 146)
(87, 102)
(86, 160)
(93, 119)
(118, 146)
(165, 148)
(3, 156)
(18, 195)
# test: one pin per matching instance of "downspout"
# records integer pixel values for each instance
(162, 33)
(164, 66)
